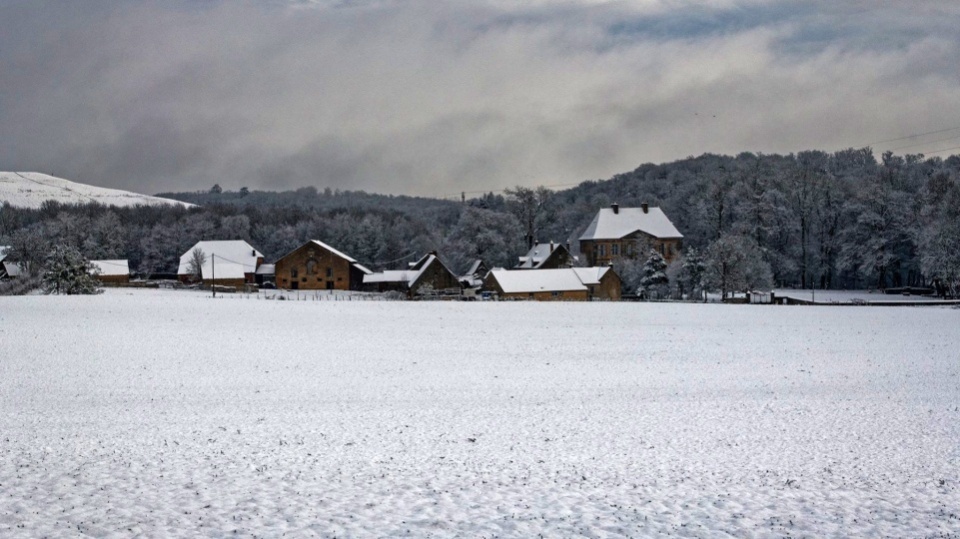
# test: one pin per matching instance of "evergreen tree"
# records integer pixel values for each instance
(66, 271)
(653, 279)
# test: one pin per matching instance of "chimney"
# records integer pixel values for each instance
(551, 246)
(254, 252)
(645, 207)
(616, 208)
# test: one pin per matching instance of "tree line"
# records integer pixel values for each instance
(811, 219)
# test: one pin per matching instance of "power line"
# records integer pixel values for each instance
(915, 135)
(943, 150)
(923, 143)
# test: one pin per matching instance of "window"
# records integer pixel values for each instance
(615, 250)
(294, 273)
(329, 272)
(602, 250)
(311, 267)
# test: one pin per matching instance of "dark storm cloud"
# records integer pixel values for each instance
(437, 97)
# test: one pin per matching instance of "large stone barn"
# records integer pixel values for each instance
(219, 254)
(427, 274)
(630, 233)
(317, 266)
(564, 284)
(112, 271)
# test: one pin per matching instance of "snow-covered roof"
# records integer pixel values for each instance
(12, 268)
(222, 270)
(474, 268)
(364, 269)
(392, 276)
(548, 280)
(32, 189)
(230, 251)
(545, 280)
(408, 276)
(538, 254)
(334, 251)
(112, 268)
(610, 225)
(267, 269)
(590, 276)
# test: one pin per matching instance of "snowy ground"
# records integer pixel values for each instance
(32, 189)
(166, 413)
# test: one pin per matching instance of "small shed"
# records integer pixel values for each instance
(562, 284)
(112, 271)
(221, 273)
(266, 273)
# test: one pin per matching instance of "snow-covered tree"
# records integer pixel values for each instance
(66, 271)
(735, 264)
(690, 271)
(653, 278)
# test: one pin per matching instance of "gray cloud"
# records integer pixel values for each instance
(427, 97)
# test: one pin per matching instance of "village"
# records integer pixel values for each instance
(549, 271)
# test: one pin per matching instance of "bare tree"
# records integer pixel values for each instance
(197, 259)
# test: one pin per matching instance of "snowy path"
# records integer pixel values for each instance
(171, 414)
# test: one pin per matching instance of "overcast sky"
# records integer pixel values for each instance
(434, 98)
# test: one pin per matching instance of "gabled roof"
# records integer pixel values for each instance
(538, 255)
(112, 268)
(230, 251)
(475, 268)
(610, 225)
(545, 280)
(333, 251)
(590, 276)
(407, 276)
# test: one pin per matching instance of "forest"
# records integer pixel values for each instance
(842, 220)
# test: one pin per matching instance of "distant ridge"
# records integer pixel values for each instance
(32, 189)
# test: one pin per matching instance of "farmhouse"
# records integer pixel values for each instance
(562, 284)
(629, 232)
(317, 266)
(546, 256)
(112, 271)
(219, 255)
(427, 273)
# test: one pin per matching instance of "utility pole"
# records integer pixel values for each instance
(213, 274)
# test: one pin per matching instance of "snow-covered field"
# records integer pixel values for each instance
(32, 189)
(163, 413)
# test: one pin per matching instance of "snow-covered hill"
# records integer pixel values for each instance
(31, 189)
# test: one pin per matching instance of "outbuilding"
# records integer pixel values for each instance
(221, 254)
(563, 284)
(114, 272)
